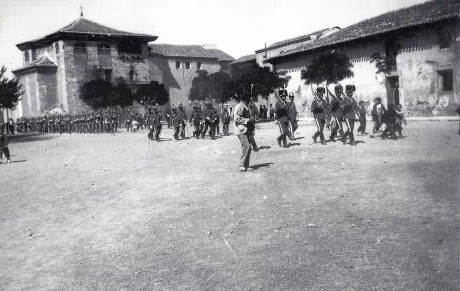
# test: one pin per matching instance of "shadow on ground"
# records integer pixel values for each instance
(30, 137)
(264, 165)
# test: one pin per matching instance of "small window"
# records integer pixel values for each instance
(103, 49)
(56, 45)
(187, 65)
(131, 75)
(26, 56)
(198, 66)
(444, 36)
(33, 55)
(177, 65)
(79, 48)
(446, 81)
(130, 47)
(108, 75)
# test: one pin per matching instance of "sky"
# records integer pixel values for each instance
(238, 27)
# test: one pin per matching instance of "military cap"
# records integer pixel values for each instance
(283, 92)
(291, 95)
(338, 88)
(320, 90)
(350, 88)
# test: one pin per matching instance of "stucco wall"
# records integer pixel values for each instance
(178, 82)
(418, 62)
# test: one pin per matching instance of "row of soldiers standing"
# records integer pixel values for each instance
(95, 122)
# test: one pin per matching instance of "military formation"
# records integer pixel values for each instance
(94, 122)
(339, 114)
(336, 111)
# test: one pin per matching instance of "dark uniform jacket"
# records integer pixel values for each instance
(318, 107)
(350, 107)
(179, 118)
(225, 117)
(281, 109)
(292, 111)
(336, 111)
(3, 140)
(209, 114)
(254, 111)
(195, 117)
(156, 119)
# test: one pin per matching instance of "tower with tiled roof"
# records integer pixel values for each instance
(58, 64)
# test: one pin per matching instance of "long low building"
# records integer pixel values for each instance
(422, 42)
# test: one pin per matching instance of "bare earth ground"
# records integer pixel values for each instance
(120, 212)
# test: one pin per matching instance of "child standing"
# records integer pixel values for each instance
(4, 144)
(362, 118)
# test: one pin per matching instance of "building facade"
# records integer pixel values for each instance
(421, 42)
(178, 65)
(57, 65)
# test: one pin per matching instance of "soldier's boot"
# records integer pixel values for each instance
(321, 135)
(315, 136)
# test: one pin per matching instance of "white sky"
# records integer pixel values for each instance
(238, 27)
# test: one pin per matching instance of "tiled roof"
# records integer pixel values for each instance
(188, 51)
(43, 61)
(243, 59)
(85, 27)
(298, 38)
(295, 40)
(421, 14)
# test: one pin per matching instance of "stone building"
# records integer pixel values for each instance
(421, 41)
(58, 64)
(177, 65)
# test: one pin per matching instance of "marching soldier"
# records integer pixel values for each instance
(225, 117)
(336, 112)
(182, 119)
(318, 107)
(349, 107)
(281, 110)
(209, 116)
(195, 119)
(292, 116)
(156, 123)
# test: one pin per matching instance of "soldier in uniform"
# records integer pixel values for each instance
(292, 116)
(182, 118)
(336, 112)
(281, 110)
(318, 107)
(225, 117)
(156, 123)
(350, 108)
(209, 115)
(195, 119)
(4, 144)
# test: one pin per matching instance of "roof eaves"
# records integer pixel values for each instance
(303, 49)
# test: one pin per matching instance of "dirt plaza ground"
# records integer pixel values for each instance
(120, 212)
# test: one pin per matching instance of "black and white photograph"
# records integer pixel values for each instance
(298, 145)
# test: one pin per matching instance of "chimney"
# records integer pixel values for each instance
(209, 46)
